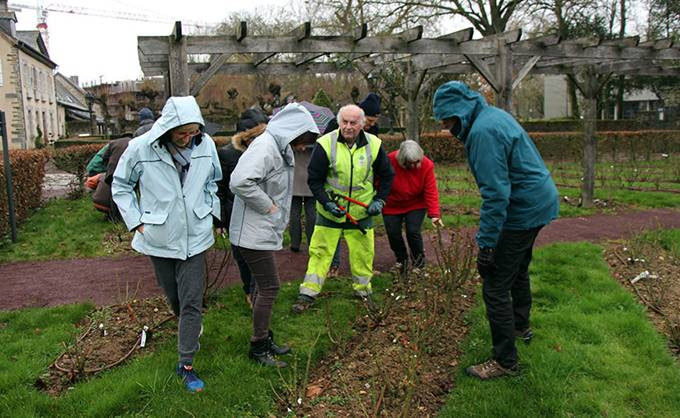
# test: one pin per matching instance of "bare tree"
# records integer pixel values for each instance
(487, 16)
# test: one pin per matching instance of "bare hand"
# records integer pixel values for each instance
(273, 209)
(437, 223)
(221, 231)
(140, 229)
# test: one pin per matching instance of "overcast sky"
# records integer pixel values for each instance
(95, 48)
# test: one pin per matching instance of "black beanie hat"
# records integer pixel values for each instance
(371, 104)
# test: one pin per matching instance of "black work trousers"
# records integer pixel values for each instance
(507, 292)
(413, 221)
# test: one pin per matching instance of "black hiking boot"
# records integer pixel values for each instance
(260, 351)
(277, 349)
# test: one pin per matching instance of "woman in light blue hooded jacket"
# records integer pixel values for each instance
(262, 183)
(165, 187)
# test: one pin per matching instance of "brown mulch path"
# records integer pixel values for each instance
(107, 280)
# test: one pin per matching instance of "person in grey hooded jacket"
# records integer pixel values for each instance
(165, 187)
(262, 183)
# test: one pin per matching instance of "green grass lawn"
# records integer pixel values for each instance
(63, 228)
(594, 352)
(146, 386)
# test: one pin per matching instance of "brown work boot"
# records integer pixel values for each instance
(302, 303)
(491, 369)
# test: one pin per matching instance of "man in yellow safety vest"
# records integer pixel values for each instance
(346, 165)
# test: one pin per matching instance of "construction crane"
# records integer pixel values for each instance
(42, 11)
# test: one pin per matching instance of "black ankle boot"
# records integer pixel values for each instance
(260, 351)
(277, 349)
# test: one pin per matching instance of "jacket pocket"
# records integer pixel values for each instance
(155, 230)
(202, 211)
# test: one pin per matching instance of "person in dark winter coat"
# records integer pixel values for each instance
(371, 108)
(145, 121)
(229, 156)
(102, 195)
(518, 198)
(303, 199)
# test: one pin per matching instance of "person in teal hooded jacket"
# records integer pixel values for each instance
(518, 198)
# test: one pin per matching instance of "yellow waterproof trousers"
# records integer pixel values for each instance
(321, 250)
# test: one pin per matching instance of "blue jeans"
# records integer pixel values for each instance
(413, 221)
(507, 292)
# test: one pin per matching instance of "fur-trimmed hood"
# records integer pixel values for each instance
(250, 134)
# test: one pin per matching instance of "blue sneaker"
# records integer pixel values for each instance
(190, 378)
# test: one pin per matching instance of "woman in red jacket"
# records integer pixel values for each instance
(413, 195)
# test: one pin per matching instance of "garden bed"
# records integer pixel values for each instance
(109, 336)
(403, 356)
(652, 273)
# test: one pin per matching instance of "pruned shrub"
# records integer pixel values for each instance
(28, 172)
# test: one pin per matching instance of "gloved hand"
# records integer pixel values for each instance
(334, 209)
(486, 265)
(376, 207)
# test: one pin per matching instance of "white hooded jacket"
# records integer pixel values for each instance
(263, 177)
(176, 217)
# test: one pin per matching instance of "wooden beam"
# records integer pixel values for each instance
(623, 42)
(177, 60)
(177, 31)
(241, 31)
(279, 68)
(484, 70)
(525, 70)
(357, 34)
(657, 44)
(584, 42)
(303, 31)
(206, 75)
(332, 44)
(462, 35)
(411, 35)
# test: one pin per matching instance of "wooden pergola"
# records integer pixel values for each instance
(503, 60)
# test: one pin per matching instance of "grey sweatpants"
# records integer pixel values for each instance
(182, 281)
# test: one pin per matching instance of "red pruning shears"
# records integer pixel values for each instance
(350, 218)
(347, 198)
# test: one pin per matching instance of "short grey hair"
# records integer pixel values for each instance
(409, 152)
(353, 107)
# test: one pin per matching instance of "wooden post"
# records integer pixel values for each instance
(178, 63)
(413, 83)
(589, 86)
(504, 77)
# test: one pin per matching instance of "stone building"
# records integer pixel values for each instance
(27, 91)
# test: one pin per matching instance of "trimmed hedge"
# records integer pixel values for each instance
(28, 173)
(621, 145)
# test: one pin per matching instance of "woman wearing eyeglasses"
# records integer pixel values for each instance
(165, 187)
(413, 195)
